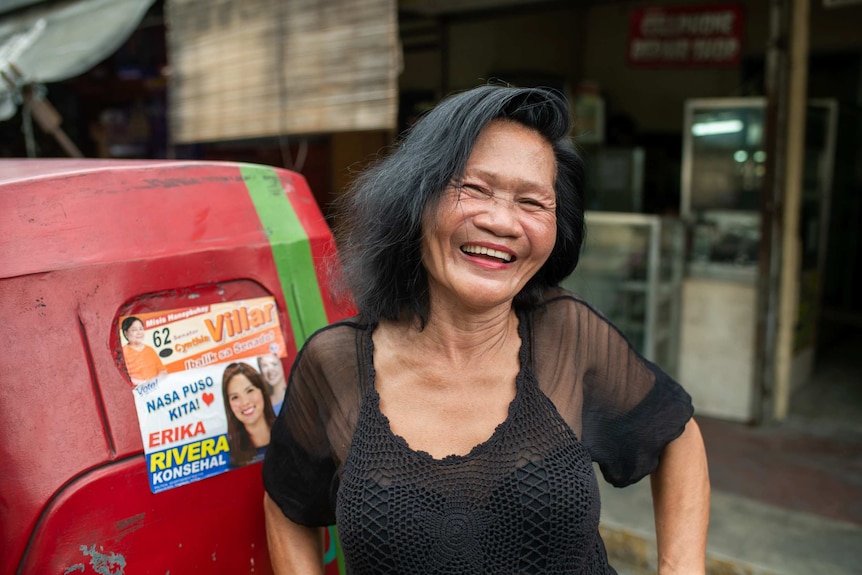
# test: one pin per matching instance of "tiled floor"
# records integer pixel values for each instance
(833, 397)
(812, 461)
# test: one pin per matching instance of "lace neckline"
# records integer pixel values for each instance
(371, 395)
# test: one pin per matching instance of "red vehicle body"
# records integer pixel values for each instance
(82, 243)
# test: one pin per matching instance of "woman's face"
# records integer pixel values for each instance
(135, 333)
(495, 228)
(246, 401)
(271, 370)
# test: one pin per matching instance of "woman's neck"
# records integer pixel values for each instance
(461, 336)
(259, 433)
(277, 395)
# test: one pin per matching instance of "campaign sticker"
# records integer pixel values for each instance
(208, 382)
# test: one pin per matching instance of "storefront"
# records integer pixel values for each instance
(713, 263)
(649, 79)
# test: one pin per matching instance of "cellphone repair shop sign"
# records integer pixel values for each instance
(686, 36)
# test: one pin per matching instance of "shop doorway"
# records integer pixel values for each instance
(833, 394)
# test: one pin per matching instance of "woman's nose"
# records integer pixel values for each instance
(499, 216)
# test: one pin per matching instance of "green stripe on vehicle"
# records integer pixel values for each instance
(291, 250)
(339, 554)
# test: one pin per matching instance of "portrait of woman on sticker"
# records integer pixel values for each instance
(273, 374)
(142, 361)
(452, 425)
(249, 413)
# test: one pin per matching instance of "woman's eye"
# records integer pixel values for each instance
(532, 204)
(475, 190)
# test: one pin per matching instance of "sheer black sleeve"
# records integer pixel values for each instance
(311, 433)
(624, 408)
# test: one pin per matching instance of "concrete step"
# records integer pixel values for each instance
(746, 537)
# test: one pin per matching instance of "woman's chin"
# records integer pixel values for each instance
(484, 294)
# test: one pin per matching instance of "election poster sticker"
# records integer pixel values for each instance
(182, 339)
(208, 381)
(184, 427)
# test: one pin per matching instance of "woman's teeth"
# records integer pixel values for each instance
(483, 251)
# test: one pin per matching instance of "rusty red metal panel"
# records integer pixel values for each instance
(129, 213)
(102, 523)
(82, 243)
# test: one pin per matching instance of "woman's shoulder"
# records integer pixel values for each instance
(563, 305)
(335, 342)
(339, 330)
(562, 313)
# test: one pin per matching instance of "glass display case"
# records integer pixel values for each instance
(722, 180)
(723, 183)
(724, 165)
(631, 270)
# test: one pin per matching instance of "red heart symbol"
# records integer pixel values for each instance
(208, 398)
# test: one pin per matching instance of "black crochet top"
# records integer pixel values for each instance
(525, 501)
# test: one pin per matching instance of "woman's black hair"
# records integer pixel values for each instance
(379, 230)
(127, 323)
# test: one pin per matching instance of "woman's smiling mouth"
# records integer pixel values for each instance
(489, 252)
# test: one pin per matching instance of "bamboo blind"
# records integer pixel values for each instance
(253, 68)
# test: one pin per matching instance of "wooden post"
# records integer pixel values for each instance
(49, 120)
(790, 240)
(778, 283)
(771, 212)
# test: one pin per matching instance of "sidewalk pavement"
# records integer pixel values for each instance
(786, 500)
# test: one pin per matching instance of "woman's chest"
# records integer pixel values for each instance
(439, 408)
(528, 493)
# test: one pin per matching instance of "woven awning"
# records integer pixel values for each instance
(254, 68)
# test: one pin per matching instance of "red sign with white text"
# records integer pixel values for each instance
(686, 36)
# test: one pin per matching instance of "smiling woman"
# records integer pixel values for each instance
(382, 218)
(452, 426)
(142, 361)
(496, 227)
(249, 413)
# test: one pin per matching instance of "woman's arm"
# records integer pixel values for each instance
(293, 548)
(680, 490)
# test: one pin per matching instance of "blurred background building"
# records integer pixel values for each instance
(722, 141)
